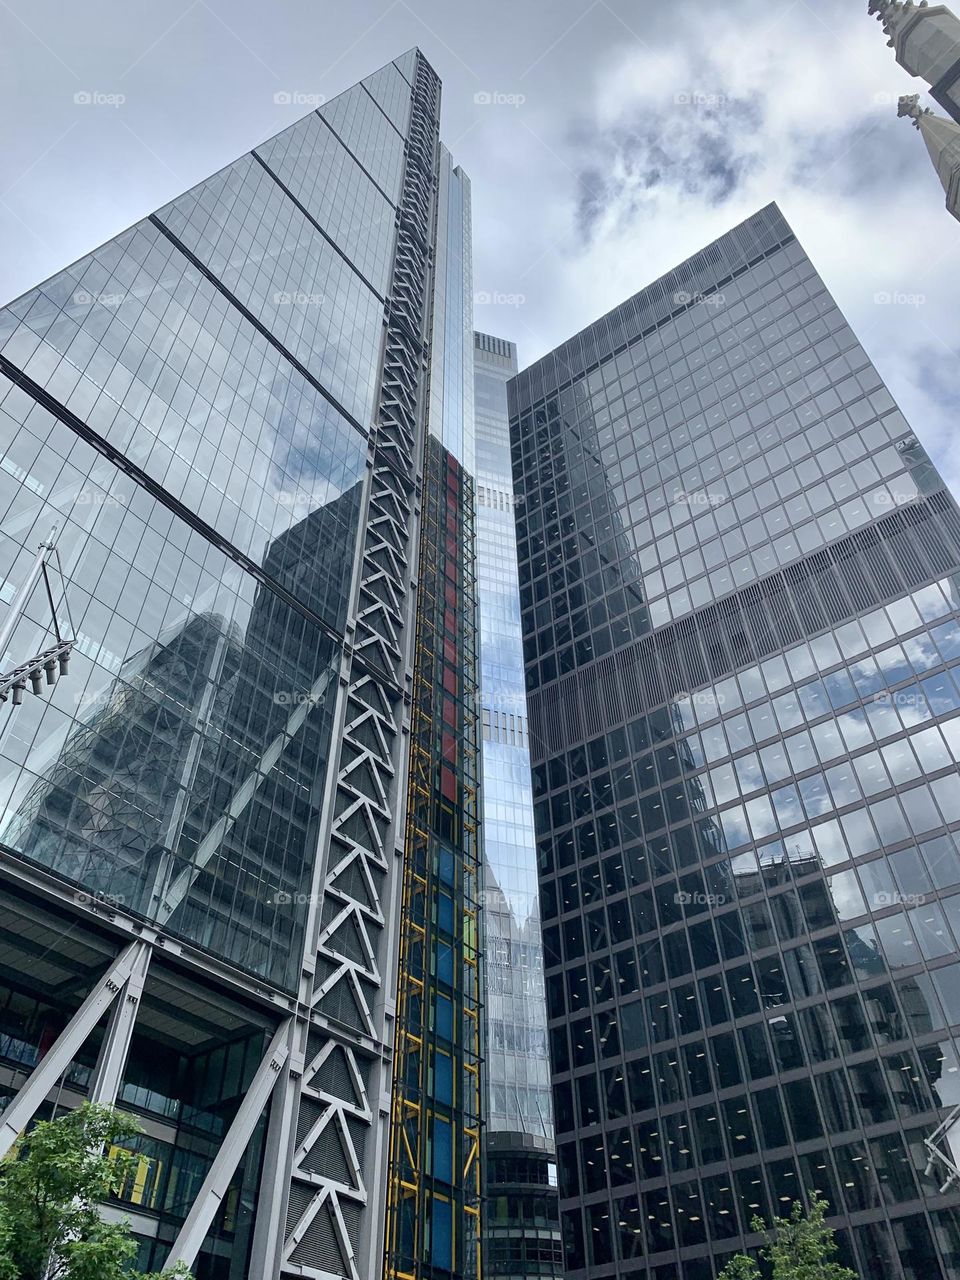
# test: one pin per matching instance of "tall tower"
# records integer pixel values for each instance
(522, 1227)
(926, 41)
(209, 831)
(740, 594)
(434, 1206)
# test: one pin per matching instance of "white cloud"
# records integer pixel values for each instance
(676, 142)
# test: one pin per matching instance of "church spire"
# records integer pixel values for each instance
(926, 41)
(892, 13)
(942, 138)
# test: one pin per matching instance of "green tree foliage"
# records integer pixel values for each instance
(801, 1247)
(51, 1185)
(740, 1267)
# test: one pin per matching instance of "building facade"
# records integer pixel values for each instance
(925, 39)
(260, 756)
(740, 595)
(521, 1228)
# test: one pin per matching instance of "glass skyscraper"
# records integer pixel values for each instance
(740, 594)
(249, 417)
(521, 1226)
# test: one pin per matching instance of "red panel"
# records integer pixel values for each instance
(448, 784)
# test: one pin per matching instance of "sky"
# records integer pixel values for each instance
(606, 141)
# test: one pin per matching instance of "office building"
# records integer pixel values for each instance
(741, 614)
(239, 840)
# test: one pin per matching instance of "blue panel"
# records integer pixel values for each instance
(441, 1235)
(442, 1149)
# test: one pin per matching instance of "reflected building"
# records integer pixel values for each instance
(132, 807)
(746, 802)
(522, 1228)
(250, 416)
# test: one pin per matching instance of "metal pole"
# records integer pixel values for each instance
(23, 595)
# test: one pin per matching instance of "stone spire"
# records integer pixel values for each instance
(926, 41)
(942, 138)
(892, 13)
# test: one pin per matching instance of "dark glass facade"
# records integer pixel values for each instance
(521, 1225)
(225, 411)
(741, 609)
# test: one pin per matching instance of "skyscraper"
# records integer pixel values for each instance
(741, 616)
(250, 418)
(522, 1227)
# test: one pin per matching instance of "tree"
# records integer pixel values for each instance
(51, 1184)
(801, 1247)
(740, 1267)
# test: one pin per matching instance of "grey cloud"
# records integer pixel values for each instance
(700, 149)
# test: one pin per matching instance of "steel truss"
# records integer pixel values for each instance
(118, 991)
(325, 1173)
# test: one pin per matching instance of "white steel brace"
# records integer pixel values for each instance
(194, 1230)
(54, 1063)
(116, 1041)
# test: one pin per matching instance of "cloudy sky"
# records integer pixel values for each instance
(606, 141)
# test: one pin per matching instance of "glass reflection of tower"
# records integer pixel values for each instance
(135, 806)
(746, 802)
(521, 1232)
